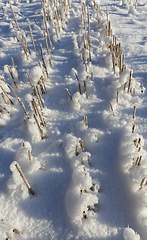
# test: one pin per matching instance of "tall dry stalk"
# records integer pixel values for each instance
(31, 34)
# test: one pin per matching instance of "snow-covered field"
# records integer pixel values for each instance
(73, 119)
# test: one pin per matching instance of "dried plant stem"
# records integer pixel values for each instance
(44, 64)
(40, 96)
(9, 236)
(7, 95)
(111, 107)
(29, 154)
(4, 108)
(141, 184)
(10, 72)
(34, 107)
(30, 79)
(113, 61)
(134, 112)
(77, 151)
(133, 128)
(44, 14)
(27, 46)
(5, 100)
(16, 37)
(40, 130)
(47, 48)
(129, 81)
(117, 97)
(78, 82)
(24, 49)
(85, 121)
(24, 178)
(89, 33)
(31, 34)
(22, 104)
(68, 93)
(10, 226)
(85, 60)
(15, 68)
(81, 144)
(14, 18)
(125, 86)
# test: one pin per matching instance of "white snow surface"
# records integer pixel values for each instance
(73, 120)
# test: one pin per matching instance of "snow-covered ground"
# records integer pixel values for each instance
(73, 121)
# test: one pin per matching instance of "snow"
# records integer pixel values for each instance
(73, 123)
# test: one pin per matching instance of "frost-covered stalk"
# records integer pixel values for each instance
(10, 72)
(24, 178)
(40, 130)
(44, 15)
(10, 226)
(31, 35)
(78, 83)
(136, 4)
(5, 100)
(30, 79)
(68, 93)
(7, 95)
(15, 69)
(22, 104)
(14, 18)
(40, 96)
(16, 37)
(27, 46)
(85, 121)
(77, 151)
(37, 97)
(85, 60)
(47, 48)
(25, 50)
(113, 62)
(4, 12)
(33, 106)
(89, 33)
(36, 110)
(120, 64)
(9, 236)
(44, 64)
